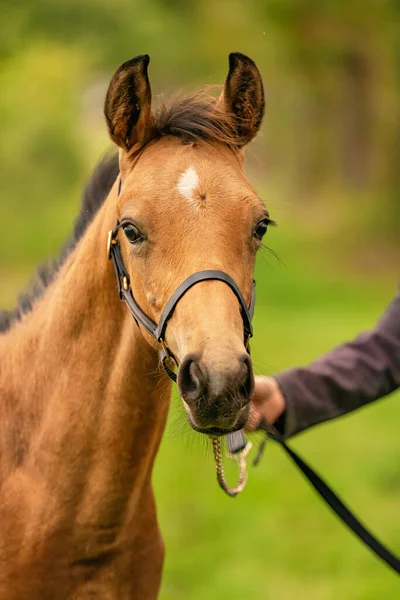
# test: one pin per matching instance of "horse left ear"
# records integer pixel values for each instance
(128, 103)
(243, 97)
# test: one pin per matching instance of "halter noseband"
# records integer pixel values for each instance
(158, 330)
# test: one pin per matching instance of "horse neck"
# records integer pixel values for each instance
(86, 402)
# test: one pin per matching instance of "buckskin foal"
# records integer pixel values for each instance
(83, 399)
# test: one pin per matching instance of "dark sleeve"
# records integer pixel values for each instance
(345, 378)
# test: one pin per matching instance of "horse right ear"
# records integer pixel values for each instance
(128, 104)
(243, 97)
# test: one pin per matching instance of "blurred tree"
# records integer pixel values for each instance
(331, 69)
(346, 56)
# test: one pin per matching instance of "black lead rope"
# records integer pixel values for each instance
(342, 511)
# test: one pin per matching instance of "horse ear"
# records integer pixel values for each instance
(128, 103)
(243, 97)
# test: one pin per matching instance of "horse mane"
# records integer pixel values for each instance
(193, 117)
(196, 116)
(94, 195)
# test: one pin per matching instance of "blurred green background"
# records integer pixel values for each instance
(327, 165)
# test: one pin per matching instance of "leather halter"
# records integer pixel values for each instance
(158, 330)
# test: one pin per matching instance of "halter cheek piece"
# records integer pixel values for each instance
(157, 331)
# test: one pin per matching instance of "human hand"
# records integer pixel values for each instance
(268, 403)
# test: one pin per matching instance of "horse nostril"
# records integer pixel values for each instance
(192, 382)
(246, 388)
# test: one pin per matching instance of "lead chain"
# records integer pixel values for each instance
(240, 457)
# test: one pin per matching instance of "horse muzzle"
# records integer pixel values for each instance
(216, 399)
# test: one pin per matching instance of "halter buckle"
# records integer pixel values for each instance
(125, 283)
(110, 242)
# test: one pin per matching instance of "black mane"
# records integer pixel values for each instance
(94, 195)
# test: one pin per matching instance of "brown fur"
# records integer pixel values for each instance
(83, 401)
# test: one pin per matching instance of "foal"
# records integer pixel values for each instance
(83, 400)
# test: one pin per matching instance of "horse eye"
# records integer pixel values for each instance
(132, 233)
(261, 229)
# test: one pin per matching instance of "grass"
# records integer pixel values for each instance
(277, 539)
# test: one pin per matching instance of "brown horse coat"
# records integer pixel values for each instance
(83, 400)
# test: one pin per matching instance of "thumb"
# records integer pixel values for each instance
(266, 404)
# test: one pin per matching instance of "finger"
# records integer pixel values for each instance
(254, 419)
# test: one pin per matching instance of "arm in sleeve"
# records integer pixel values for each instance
(345, 378)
